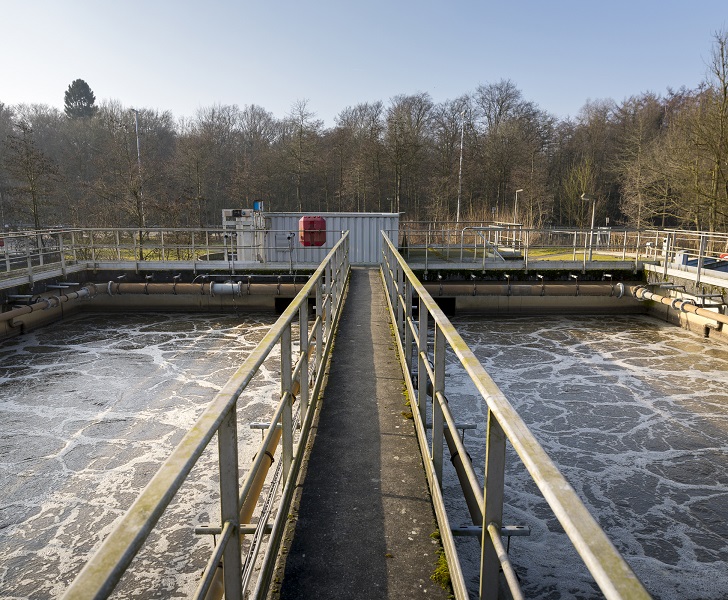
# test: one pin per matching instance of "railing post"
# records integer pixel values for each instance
(399, 301)
(666, 252)
(319, 323)
(62, 254)
(438, 387)
(39, 243)
(421, 370)
(227, 443)
(495, 463)
(701, 257)
(303, 350)
(287, 416)
(29, 261)
(407, 326)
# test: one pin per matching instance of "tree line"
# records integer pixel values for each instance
(489, 155)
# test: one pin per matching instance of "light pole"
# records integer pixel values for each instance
(593, 200)
(460, 172)
(139, 165)
(515, 207)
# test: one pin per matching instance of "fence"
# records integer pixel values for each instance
(104, 570)
(26, 257)
(610, 571)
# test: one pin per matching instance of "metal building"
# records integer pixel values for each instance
(279, 241)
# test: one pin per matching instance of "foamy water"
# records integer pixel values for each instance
(635, 414)
(89, 409)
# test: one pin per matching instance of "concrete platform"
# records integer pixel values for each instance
(363, 517)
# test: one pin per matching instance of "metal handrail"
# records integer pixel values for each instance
(103, 571)
(35, 254)
(610, 571)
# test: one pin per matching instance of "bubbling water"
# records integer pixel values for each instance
(634, 413)
(90, 408)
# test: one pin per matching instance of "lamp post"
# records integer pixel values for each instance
(139, 165)
(515, 207)
(593, 200)
(460, 172)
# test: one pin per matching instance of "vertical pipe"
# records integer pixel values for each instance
(438, 387)
(495, 462)
(286, 389)
(227, 442)
(421, 371)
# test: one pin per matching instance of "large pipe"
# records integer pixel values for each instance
(44, 303)
(687, 305)
(229, 288)
(523, 289)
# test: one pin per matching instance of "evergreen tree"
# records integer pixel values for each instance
(79, 100)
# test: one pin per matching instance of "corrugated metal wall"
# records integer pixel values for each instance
(365, 240)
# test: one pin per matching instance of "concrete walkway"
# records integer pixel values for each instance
(362, 524)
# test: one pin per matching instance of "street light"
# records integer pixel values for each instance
(593, 200)
(515, 207)
(460, 172)
(139, 165)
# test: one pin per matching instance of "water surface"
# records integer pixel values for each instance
(89, 409)
(635, 414)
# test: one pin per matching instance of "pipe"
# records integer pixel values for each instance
(229, 288)
(46, 303)
(642, 293)
(557, 288)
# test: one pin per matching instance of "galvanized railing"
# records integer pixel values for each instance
(104, 570)
(427, 362)
(27, 256)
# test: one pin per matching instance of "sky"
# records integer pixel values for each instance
(181, 56)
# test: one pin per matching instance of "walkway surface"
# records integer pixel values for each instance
(362, 525)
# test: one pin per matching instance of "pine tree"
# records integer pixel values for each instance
(79, 100)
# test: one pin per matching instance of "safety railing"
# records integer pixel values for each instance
(30, 255)
(238, 500)
(485, 503)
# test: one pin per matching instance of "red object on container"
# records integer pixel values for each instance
(312, 231)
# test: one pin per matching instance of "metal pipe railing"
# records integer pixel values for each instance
(610, 571)
(105, 568)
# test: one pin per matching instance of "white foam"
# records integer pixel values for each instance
(633, 412)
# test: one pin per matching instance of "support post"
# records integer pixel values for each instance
(303, 350)
(438, 387)
(227, 443)
(287, 416)
(495, 462)
(421, 370)
(407, 328)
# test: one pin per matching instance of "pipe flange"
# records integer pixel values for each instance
(688, 301)
(673, 303)
(619, 289)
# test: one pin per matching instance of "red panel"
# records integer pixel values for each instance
(312, 231)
